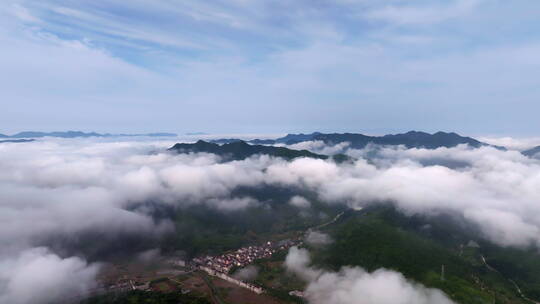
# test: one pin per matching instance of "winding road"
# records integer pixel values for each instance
(510, 280)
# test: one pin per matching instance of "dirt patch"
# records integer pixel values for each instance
(165, 286)
(233, 293)
(196, 285)
(275, 264)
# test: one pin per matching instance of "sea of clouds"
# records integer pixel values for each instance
(65, 188)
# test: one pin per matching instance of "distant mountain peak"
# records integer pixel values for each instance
(239, 150)
(413, 132)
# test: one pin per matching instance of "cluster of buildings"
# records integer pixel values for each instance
(124, 283)
(243, 256)
(239, 258)
(220, 266)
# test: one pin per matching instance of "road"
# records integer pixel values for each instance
(213, 291)
(511, 281)
(328, 223)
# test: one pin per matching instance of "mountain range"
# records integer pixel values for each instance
(412, 139)
(74, 134)
(239, 150)
(531, 152)
(16, 140)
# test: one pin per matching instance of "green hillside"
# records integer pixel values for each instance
(419, 247)
(238, 150)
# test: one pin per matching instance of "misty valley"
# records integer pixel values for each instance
(304, 218)
(269, 152)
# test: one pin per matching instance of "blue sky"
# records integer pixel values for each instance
(240, 66)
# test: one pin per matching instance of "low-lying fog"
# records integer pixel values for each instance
(54, 188)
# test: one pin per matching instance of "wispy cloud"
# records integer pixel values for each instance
(423, 14)
(335, 63)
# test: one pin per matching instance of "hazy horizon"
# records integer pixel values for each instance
(279, 133)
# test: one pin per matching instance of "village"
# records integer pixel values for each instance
(220, 266)
(177, 274)
(242, 257)
(173, 277)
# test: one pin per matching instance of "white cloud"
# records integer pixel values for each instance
(233, 203)
(298, 262)
(318, 146)
(299, 201)
(247, 274)
(353, 284)
(55, 188)
(39, 276)
(316, 238)
(103, 176)
(462, 180)
(150, 255)
(512, 143)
